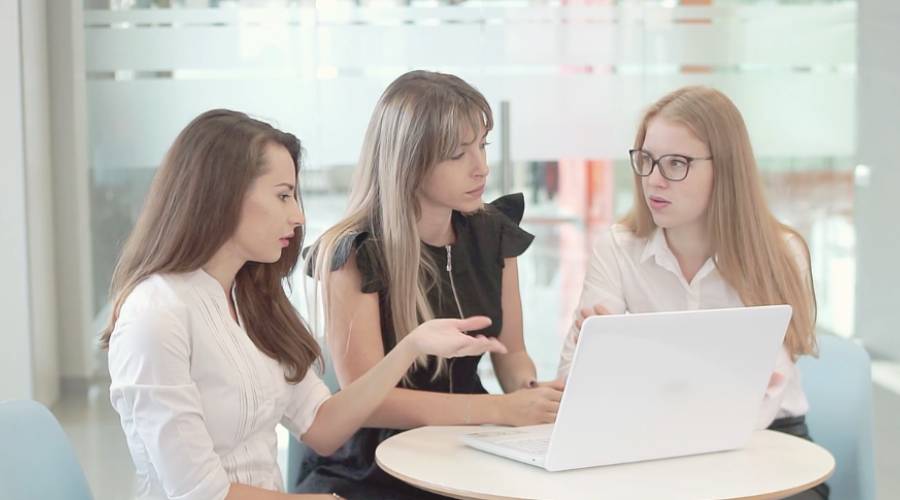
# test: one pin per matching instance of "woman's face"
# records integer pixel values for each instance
(271, 212)
(675, 204)
(459, 182)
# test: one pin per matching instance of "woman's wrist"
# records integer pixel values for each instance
(496, 413)
(407, 349)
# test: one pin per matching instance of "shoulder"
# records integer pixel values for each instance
(355, 257)
(510, 207)
(618, 239)
(160, 293)
(797, 248)
(156, 312)
(497, 226)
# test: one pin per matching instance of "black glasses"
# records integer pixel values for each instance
(671, 167)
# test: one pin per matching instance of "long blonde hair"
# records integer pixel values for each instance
(416, 124)
(193, 208)
(749, 244)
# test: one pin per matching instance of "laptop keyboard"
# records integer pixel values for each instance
(534, 446)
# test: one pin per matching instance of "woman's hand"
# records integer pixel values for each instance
(587, 312)
(447, 338)
(530, 406)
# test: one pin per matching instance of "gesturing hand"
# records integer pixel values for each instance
(447, 338)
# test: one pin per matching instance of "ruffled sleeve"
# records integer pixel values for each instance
(367, 261)
(509, 210)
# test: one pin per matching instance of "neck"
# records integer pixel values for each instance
(224, 266)
(691, 247)
(434, 225)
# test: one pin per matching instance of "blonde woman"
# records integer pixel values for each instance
(418, 243)
(700, 236)
(206, 354)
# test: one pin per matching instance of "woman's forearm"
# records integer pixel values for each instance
(407, 409)
(345, 412)
(239, 491)
(515, 370)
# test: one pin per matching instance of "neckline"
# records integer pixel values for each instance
(212, 285)
(455, 225)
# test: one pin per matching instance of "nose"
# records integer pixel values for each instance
(297, 217)
(656, 179)
(481, 166)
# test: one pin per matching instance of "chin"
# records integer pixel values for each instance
(662, 222)
(470, 207)
(269, 259)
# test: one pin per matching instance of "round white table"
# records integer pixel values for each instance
(772, 465)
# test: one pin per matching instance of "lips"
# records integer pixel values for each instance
(285, 240)
(476, 192)
(658, 202)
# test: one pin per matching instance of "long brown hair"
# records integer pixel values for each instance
(416, 124)
(193, 208)
(751, 250)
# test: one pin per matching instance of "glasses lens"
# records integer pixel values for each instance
(674, 167)
(641, 162)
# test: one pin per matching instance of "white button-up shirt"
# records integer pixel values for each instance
(198, 401)
(631, 274)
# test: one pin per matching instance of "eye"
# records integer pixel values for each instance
(483, 145)
(459, 156)
(285, 196)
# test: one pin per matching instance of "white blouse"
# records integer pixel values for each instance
(198, 401)
(631, 274)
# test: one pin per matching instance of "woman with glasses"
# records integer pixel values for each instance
(700, 236)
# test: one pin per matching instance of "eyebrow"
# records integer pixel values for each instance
(285, 184)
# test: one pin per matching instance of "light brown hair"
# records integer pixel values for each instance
(750, 245)
(193, 208)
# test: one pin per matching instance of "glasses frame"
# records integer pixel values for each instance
(654, 162)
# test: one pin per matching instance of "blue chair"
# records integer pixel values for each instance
(37, 462)
(296, 449)
(839, 387)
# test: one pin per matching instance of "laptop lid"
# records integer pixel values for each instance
(656, 385)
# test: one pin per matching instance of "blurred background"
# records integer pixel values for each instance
(97, 90)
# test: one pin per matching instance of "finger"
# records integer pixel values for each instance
(585, 312)
(472, 323)
(600, 310)
(577, 325)
(480, 345)
(558, 384)
(552, 394)
(492, 344)
(472, 347)
(495, 345)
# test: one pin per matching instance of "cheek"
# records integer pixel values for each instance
(701, 191)
(255, 218)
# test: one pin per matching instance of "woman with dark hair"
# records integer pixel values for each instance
(206, 353)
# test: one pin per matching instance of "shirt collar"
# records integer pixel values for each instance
(656, 246)
(658, 249)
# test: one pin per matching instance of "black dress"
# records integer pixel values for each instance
(483, 241)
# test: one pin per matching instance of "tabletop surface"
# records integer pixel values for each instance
(772, 465)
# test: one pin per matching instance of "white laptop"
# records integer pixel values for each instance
(654, 385)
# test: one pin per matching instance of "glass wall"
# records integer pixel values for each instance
(567, 81)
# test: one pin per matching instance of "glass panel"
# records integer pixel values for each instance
(575, 76)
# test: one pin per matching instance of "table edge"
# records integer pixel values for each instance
(462, 494)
